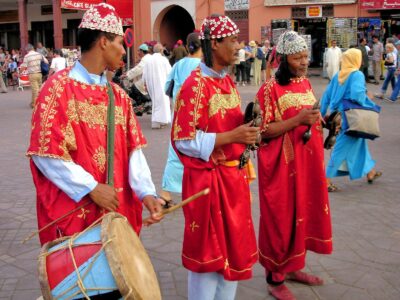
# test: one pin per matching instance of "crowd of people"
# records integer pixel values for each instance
(70, 146)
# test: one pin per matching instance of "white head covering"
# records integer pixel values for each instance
(290, 43)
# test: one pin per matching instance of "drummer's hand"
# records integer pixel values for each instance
(154, 207)
(105, 197)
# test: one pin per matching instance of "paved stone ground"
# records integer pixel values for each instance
(366, 259)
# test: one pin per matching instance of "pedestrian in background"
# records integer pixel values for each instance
(364, 64)
(241, 65)
(396, 90)
(294, 206)
(58, 62)
(390, 65)
(377, 54)
(173, 172)
(178, 52)
(32, 62)
(333, 56)
(155, 73)
(350, 155)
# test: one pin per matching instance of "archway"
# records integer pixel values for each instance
(172, 24)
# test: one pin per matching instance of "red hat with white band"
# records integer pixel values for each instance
(102, 17)
(220, 27)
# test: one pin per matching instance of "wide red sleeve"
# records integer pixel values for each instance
(51, 133)
(267, 104)
(191, 108)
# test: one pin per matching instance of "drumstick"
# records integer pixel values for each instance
(55, 221)
(179, 205)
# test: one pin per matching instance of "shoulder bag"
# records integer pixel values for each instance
(363, 122)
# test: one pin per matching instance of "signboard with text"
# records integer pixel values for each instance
(314, 11)
(236, 4)
(305, 2)
(380, 4)
(79, 4)
(124, 8)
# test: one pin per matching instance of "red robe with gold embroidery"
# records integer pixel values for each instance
(219, 234)
(70, 123)
(295, 214)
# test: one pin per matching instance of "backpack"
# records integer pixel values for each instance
(260, 54)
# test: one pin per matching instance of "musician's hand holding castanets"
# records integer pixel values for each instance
(244, 134)
(154, 206)
(105, 197)
(308, 116)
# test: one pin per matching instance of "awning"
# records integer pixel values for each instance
(380, 4)
(124, 8)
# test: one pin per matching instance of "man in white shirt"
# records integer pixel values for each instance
(333, 56)
(58, 63)
(155, 73)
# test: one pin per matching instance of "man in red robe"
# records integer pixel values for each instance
(68, 146)
(208, 134)
(295, 215)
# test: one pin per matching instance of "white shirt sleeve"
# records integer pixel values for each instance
(69, 177)
(140, 175)
(201, 147)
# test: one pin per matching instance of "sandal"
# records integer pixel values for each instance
(332, 188)
(281, 292)
(305, 278)
(376, 176)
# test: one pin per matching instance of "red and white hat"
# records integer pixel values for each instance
(102, 17)
(220, 27)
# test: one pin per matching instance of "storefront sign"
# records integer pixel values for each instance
(305, 2)
(314, 11)
(380, 4)
(79, 4)
(124, 8)
(236, 4)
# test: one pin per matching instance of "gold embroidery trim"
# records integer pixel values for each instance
(200, 262)
(295, 100)
(93, 115)
(48, 114)
(100, 158)
(222, 102)
(288, 150)
(294, 256)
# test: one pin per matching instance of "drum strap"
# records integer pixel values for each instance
(110, 135)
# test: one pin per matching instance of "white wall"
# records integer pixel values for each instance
(158, 5)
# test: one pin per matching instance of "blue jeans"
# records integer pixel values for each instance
(389, 78)
(396, 89)
(210, 286)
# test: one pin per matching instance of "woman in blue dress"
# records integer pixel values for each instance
(172, 178)
(350, 155)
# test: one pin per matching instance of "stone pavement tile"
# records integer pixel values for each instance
(10, 271)
(26, 294)
(376, 285)
(330, 291)
(29, 282)
(357, 294)
(7, 294)
(348, 276)
(173, 297)
(244, 292)
(303, 292)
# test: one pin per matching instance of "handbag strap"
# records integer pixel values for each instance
(110, 135)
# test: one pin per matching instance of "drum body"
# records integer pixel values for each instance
(106, 257)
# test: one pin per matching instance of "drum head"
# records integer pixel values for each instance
(128, 260)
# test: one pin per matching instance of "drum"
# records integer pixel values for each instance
(105, 258)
